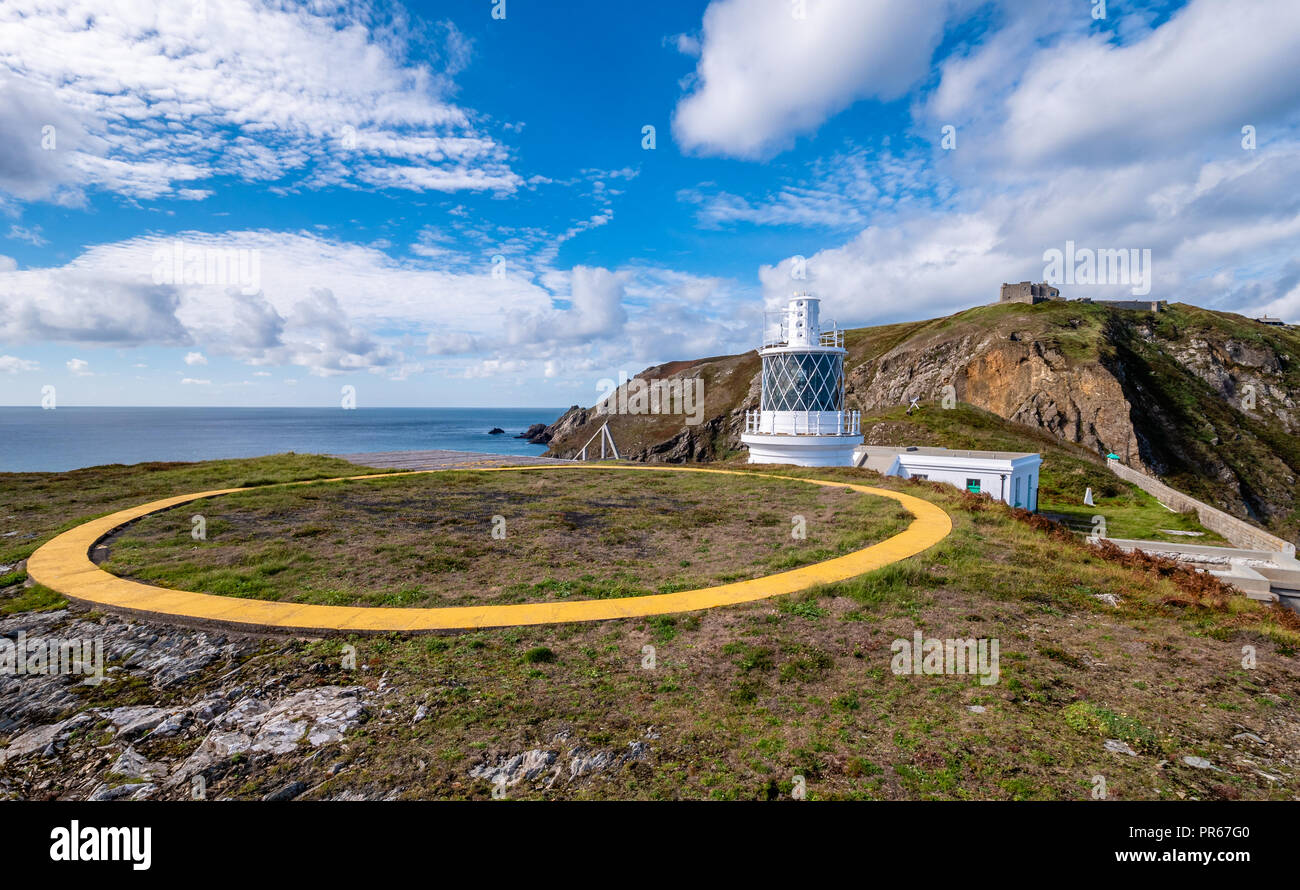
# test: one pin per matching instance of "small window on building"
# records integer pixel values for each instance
(1015, 502)
(921, 476)
(973, 486)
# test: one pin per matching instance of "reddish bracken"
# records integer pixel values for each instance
(1195, 589)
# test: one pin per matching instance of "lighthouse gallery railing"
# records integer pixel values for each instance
(804, 423)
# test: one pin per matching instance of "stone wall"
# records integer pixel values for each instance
(1134, 305)
(1240, 533)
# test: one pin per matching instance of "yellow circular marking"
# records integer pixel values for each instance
(63, 564)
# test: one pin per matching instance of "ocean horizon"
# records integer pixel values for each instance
(67, 438)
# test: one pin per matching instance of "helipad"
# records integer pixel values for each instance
(63, 564)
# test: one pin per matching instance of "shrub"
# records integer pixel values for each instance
(538, 655)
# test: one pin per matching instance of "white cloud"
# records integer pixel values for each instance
(595, 310)
(1201, 76)
(495, 368)
(148, 99)
(78, 304)
(10, 364)
(195, 358)
(836, 193)
(318, 298)
(1221, 235)
(686, 44)
(31, 235)
(1045, 92)
(79, 367)
(190, 381)
(335, 307)
(765, 76)
(1062, 136)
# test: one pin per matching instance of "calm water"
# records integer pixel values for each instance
(68, 438)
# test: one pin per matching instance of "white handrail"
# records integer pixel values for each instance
(846, 423)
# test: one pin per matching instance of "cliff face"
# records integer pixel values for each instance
(1015, 375)
(1206, 400)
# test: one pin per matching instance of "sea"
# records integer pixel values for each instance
(33, 439)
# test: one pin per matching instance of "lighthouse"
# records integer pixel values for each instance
(801, 418)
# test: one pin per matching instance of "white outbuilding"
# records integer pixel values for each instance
(1008, 476)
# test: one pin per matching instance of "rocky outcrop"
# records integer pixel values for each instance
(701, 442)
(208, 704)
(565, 426)
(537, 434)
(729, 385)
(317, 717)
(564, 761)
(1018, 377)
(1243, 373)
(1221, 431)
(270, 719)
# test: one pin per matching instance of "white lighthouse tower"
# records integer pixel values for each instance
(801, 418)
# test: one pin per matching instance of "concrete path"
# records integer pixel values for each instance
(63, 564)
(442, 460)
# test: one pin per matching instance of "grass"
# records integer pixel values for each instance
(39, 505)
(1071, 327)
(740, 700)
(1094, 720)
(431, 540)
(31, 599)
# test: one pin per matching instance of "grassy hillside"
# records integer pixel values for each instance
(1109, 667)
(1187, 393)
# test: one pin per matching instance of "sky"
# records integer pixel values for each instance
(503, 202)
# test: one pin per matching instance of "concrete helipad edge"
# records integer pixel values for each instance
(63, 564)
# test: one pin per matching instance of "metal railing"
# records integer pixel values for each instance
(804, 423)
(605, 437)
(776, 331)
(833, 337)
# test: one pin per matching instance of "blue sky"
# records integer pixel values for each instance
(439, 206)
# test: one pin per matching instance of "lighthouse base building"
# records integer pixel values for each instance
(824, 451)
(801, 418)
